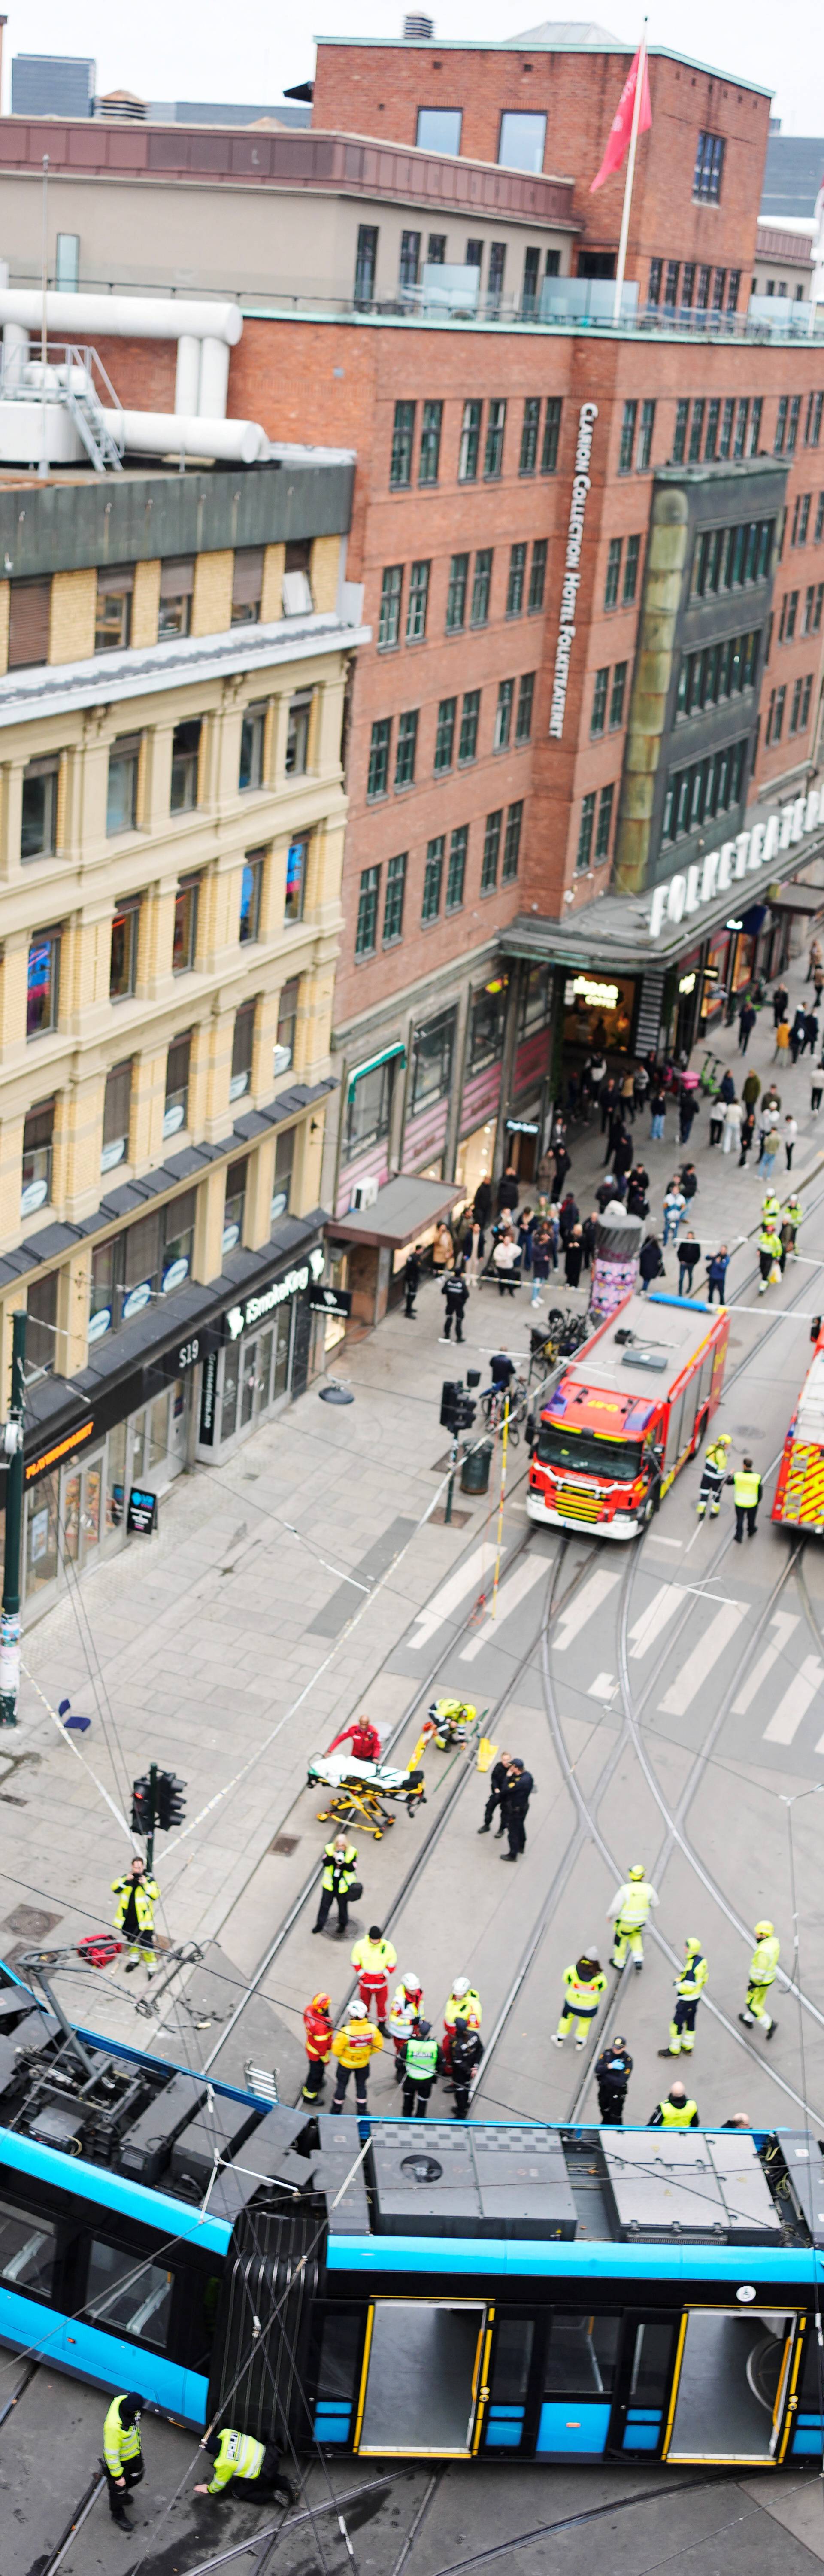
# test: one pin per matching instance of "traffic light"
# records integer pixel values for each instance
(143, 1815)
(171, 1800)
(457, 1408)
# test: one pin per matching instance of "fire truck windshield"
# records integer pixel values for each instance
(592, 1456)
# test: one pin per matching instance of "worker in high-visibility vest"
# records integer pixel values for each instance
(404, 2015)
(317, 2023)
(421, 2062)
(252, 2468)
(746, 1494)
(373, 1957)
(770, 1207)
(713, 1476)
(769, 1253)
(584, 1984)
(628, 1912)
(137, 1897)
(677, 2112)
(122, 2450)
(689, 1988)
(763, 1965)
(353, 2046)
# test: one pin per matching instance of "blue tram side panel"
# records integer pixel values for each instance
(461, 2290)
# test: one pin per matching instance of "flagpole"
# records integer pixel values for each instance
(636, 118)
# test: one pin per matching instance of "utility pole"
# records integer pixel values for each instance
(153, 1812)
(13, 1435)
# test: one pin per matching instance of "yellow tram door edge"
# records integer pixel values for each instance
(485, 2340)
(367, 2346)
(679, 2355)
(791, 2400)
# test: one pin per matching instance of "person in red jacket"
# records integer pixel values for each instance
(317, 2024)
(363, 1737)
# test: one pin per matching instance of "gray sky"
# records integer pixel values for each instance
(183, 53)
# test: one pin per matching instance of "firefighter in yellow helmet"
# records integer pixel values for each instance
(763, 1965)
(584, 1984)
(689, 1988)
(713, 1476)
(628, 1912)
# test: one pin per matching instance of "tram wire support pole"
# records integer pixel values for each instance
(13, 1437)
(153, 1813)
(504, 1448)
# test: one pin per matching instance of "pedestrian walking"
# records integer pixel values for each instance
(515, 1797)
(657, 1106)
(771, 1103)
(675, 1209)
(584, 1984)
(317, 2024)
(454, 1289)
(717, 1268)
(779, 1002)
(463, 2004)
(713, 1477)
(651, 1262)
(482, 1208)
(561, 1160)
(640, 1084)
(790, 1132)
(505, 1264)
(498, 1777)
(628, 1913)
(508, 1192)
(543, 1260)
(411, 1279)
(628, 1096)
(567, 1217)
(797, 1032)
(763, 1965)
(770, 1208)
(374, 1959)
(405, 2013)
(816, 1087)
(751, 1088)
(746, 1494)
(123, 2451)
(687, 1110)
(769, 1151)
(790, 1226)
(589, 1231)
(747, 1133)
(637, 1188)
(814, 959)
(689, 1180)
(769, 1256)
(467, 2051)
(746, 1024)
(716, 1120)
(609, 1099)
(733, 1116)
(337, 1883)
(573, 1258)
(689, 1987)
(251, 2468)
(354, 2046)
(810, 1032)
(676, 2112)
(689, 1254)
(622, 1156)
(612, 2071)
(523, 1238)
(421, 2062)
(137, 1897)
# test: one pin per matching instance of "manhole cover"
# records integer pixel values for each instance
(747, 1430)
(285, 1843)
(421, 2168)
(31, 1920)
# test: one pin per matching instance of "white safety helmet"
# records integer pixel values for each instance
(412, 1983)
(358, 2012)
(461, 1986)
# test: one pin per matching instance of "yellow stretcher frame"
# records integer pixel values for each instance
(785, 2401)
(479, 2387)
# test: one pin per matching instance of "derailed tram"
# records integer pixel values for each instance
(407, 2289)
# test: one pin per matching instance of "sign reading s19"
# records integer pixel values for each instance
(719, 870)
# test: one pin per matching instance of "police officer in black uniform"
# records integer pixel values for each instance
(514, 1804)
(612, 2073)
(497, 1782)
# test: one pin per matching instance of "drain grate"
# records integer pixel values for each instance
(285, 1843)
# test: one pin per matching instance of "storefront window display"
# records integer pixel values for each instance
(714, 994)
(473, 1162)
(434, 1046)
(598, 1010)
(536, 999)
(487, 1018)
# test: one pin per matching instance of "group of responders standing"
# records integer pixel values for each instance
(585, 1985)
(249, 2468)
(745, 1482)
(419, 2055)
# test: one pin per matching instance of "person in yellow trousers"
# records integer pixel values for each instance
(122, 2450)
(689, 1988)
(584, 1984)
(137, 1897)
(763, 1965)
(354, 2046)
(628, 1912)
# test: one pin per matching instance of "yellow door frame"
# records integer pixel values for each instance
(479, 2389)
(737, 2459)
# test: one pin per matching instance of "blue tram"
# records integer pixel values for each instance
(407, 2289)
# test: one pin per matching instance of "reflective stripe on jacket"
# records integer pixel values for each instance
(239, 2456)
(457, 2007)
(373, 1960)
(764, 1961)
(583, 1994)
(146, 1896)
(356, 2043)
(120, 2441)
(318, 2030)
(692, 1979)
(632, 1903)
(421, 2060)
(675, 2115)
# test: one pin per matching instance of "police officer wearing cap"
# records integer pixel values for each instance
(612, 2073)
(421, 2058)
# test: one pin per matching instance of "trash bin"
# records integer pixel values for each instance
(475, 1469)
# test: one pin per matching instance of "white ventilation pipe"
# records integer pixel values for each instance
(127, 317)
(213, 391)
(187, 378)
(170, 433)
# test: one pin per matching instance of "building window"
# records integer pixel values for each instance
(433, 1050)
(113, 614)
(795, 705)
(184, 938)
(365, 263)
(487, 1017)
(468, 739)
(503, 715)
(537, 575)
(416, 606)
(284, 1051)
(409, 261)
(688, 284)
(176, 1102)
(526, 692)
(494, 449)
(252, 734)
(613, 572)
(369, 1108)
(456, 872)
(718, 671)
(123, 952)
(174, 609)
(185, 758)
(297, 734)
(121, 793)
(789, 612)
(679, 442)
(696, 432)
(432, 878)
(727, 418)
(585, 830)
(297, 857)
(495, 275)
(378, 778)
(709, 164)
(703, 295)
(631, 563)
(117, 1102)
(805, 703)
(733, 290)
(515, 584)
(645, 437)
(521, 140)
(755, 425)
(367, 921)
(234, 1204)
(711, 440)
(708, 787)
(43, 984)
(819, 519)
(439, 130)
(430, 442)
(656, 270)
(38, 1143)
(403, 439)
(726, 558)
(474, 255)
(741, 419)
(718, 285)
(492, 844)
(41, 1341)
(775, 716)
(552, 264)
(242, 1050)
(792, 424)
(625, 451)
(599, 702)
(469, 449)
(283, 1173)
(406, 747)
(552, 432)
(247, 585)
(531, 286)
(479, 610)
(781, 425)
(671, 285)
(67, 263)
(456, 594)
(296, 586)
(815, 423)
(393, 902)
(512, 843)
(604, 824)
(529, 434)
(445, 735)
(38, 822)
(616, 704)
(251, 889)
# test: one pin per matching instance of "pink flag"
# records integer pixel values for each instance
(621, 126)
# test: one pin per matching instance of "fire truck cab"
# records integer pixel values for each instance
(629, 1411)
(799, 1493)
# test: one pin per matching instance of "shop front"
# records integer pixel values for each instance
(525, 1122)
(367, 1113)
(481, 1093)
(599, 1012)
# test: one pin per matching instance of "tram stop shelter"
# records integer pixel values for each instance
(374, 1241)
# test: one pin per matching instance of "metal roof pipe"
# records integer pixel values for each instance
(213, 390)
(127, 317)
(170, 433)
(187, 377)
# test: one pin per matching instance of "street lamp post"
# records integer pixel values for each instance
(13, 1434)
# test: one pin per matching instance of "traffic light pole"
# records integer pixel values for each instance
(13, 1444)
(450, 1487)
(151, 1833)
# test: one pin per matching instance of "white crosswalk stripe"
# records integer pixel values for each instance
(532, 1570)
(802, 1691)
(466, 1577)
(648, 1628)
(581, 1610)
(782, 1627)
(704, 1656)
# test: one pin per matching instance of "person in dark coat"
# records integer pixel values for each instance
(482, 1208)
(717, 1273)
(810, 1032)
(588, 1230)
(561, 1160)
(456, 1292)
(689, 1254)
(412, 1278)
(797, 1032)
(622, 1158)
(689, 1180)
(651, 1262)
(727, 1088)
(608, 1096)
(467, 2051)
(746, 1024)
(573, 1258)
(616, 1130)
(687, 1111)
(747, 1134)
(567, 1217)
(508, 1190)
(498, 1778)
(612, 2072)
(637, 1187)
(779, 1002)
(514, 1804)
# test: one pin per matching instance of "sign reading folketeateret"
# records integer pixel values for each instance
(587, 417)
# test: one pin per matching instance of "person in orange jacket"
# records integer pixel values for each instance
(353, 2046)
(363, 1737)
(317, 2024)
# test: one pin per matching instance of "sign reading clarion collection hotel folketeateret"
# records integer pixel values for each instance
(587, 417)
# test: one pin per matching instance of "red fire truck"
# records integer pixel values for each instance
(799, 1493)
(629, 1411)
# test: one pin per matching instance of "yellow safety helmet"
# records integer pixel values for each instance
(637, 1870)
(763, 1930)
(723, 1440)
(692, 1945)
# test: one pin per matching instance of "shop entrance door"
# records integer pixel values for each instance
(733, 2379)
(423, 2391)
(80, 1512)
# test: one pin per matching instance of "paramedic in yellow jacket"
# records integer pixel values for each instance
(628, 1912)
(584, 1984)
(353, 2046)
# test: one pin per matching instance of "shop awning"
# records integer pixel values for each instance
(402, 1210)
(372, 1062)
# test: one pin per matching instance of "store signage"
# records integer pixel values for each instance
(231, 1234)
(34, 1196)
(587, 416)
(279, 1206)
(330, 1301)
(136, 1300)
(522, 1126)
(99, 1323)
(51, 1457)
(173, 1118)
(715, 874)
(687, 983)
(585, 988)
(175, 1275)
(141, 1515)
(241, 1318)
(208, 1399)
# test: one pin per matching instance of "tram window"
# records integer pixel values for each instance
(810, 2390)
(28, 2247)
(341, 2333)
(127, 2295)
(202, 2321)
(651, 2364)
(582, 2356)
(513, 2354)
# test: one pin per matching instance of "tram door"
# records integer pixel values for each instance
(733, 2387)
(423, 2384)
